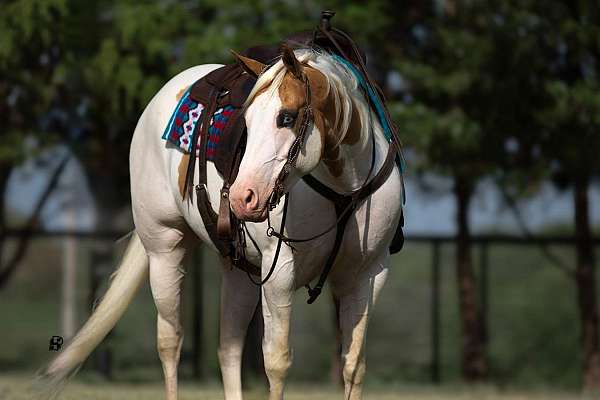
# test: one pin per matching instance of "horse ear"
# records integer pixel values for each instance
(291, 62)
(252, 67)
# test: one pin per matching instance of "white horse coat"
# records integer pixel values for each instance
(166, 226)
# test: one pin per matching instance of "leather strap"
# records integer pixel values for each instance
(209, 218)
(224, 220)
(315, 291)
(212, 89)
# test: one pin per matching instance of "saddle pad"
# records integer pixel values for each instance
(183, 122)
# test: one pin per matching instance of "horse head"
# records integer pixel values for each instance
(286, 132)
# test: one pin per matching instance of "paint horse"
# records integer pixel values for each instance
(341, 148)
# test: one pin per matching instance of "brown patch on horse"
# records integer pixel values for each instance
(182, 171)
(325, 117)
(292, 92)
(354, 129)
(293, 97)
(180, 94)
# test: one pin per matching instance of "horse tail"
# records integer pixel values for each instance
(125, 283)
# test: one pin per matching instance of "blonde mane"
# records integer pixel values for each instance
(343, 88)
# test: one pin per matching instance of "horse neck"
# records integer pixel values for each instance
(357, 158)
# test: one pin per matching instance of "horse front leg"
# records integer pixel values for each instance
(277, 309)
(355, 307)
(239, 298)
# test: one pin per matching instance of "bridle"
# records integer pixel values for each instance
(344, 204)
(294, 151)
(279, 186)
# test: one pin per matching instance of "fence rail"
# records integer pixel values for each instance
(481, 242)
(416, 238)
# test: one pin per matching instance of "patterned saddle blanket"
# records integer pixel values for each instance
(183, 122)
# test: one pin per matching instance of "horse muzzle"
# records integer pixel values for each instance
(246, 204)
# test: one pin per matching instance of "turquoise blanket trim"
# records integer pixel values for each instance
(184, 96)
(387, 130)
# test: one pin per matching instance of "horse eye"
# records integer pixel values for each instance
(285, 119)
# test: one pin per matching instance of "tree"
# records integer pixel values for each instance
(447, 70)
(470, 94)
(569, 140)
(29, 62)
(519, 73)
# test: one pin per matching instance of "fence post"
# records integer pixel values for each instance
(101, 264)
(435, 312)
(484, 290)
(68, 304)
(198, 317)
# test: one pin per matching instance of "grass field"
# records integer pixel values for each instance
(17, 388)
(533, 343)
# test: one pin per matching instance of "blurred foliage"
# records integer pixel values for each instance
(570, 124)
(82, 72)
(504, 87)
(27, 35)
(490, 86)
(466, 71)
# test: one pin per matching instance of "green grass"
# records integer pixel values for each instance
(534, 329)
(18, 388)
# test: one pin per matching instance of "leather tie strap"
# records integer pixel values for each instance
(224, 219)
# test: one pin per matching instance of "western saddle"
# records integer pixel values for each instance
(230, 86)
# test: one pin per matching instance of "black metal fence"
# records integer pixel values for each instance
(102, 265)
(482, 243)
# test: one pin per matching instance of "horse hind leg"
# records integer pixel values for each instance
(166, 277)
(354, 315)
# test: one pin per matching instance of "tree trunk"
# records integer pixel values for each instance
(586, 290)
(474, 363)
(23, 244)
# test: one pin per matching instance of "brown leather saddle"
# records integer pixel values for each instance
(230, 86)
(225, 86)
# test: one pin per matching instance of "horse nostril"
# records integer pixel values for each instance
(249, 198)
